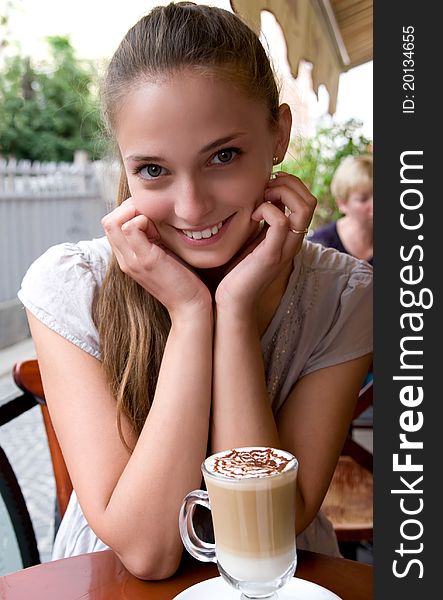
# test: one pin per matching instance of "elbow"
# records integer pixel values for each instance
(305, 518)
(305, 512)
(150, 556)
(153, 572)
(151, 566)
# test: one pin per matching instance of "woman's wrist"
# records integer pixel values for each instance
(198, 313)
(240, 317)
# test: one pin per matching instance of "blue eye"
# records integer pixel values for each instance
(150, 171)
(226, 155)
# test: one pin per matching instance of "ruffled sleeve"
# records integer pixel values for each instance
(350, 333)
(60, 289)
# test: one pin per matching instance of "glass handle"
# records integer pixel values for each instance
(196, 547)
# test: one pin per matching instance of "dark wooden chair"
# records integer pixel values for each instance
(349, 501)
(26, 375)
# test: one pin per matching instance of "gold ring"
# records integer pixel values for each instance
(301, 231)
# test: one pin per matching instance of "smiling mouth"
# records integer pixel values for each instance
(203, 233)
(206, 233)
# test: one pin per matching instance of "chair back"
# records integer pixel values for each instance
(349, 501)
(26, 375)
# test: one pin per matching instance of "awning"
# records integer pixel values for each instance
(333, 35)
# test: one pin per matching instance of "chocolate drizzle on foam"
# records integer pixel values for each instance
(250, 463)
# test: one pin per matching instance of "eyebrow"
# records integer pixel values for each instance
(211, 146)
(221, 141)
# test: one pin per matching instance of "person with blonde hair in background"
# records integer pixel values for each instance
(352, 188)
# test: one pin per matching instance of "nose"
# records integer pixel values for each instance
(192, 202)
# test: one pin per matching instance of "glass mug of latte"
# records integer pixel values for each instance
(251, 495)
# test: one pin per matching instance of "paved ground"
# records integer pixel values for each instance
(24, 441)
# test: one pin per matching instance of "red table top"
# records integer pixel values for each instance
(101, 576)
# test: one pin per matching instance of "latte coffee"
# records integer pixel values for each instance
(252, 498)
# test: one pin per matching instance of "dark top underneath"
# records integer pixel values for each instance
(328, 236)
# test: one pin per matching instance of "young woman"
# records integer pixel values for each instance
(202, 320)
(351, 187)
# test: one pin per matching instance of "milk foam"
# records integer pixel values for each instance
(240, 463)
(255, 568)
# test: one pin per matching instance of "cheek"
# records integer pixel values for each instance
(243, 192)
(149, 204)
(246, 198)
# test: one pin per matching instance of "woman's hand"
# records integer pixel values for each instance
(276, 245)
(137, 247)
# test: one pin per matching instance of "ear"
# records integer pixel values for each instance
(283, 131)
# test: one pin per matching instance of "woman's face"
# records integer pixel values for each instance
(359, 205)
(198, 155)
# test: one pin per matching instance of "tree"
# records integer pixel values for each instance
(6, 10)
(316, 158)
(48, 112)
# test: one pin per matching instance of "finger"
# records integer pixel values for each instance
(277, 203)
(126, 210)
(294, 197)
(289, 195)
(113, 222)
(140, 224)
(300, 211)
(277, 231)
(128, 233)
(112, 225)
(141, 236)
(294, 235)
(280, 179)
(295, 183)
(137, 222)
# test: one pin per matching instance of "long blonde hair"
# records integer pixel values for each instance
(133, 326)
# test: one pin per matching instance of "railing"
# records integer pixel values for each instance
(35, 179)
(23, 178)
(42, 204)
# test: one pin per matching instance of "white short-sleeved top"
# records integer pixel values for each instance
(324, 318)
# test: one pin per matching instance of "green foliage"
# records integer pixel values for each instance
(7, 8)
(316, 158)
(48, 112)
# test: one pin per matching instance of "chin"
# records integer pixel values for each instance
(210, 262)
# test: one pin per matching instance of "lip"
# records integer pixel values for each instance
(205, 241)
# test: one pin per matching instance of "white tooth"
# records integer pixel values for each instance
(220, 225)
(197, 235)
(206, 233)
(214, 230)
(188, 234)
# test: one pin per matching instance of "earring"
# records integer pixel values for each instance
(275, 160)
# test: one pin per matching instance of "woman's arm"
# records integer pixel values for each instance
(245, 300)
(315, 418)
(241, 410)
(312, 424)
(132, 501)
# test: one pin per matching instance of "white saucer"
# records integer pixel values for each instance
(217, 589)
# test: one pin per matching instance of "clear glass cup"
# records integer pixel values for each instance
(253, 514)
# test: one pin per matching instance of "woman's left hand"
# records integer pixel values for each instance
(276, 245)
